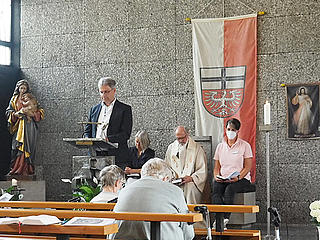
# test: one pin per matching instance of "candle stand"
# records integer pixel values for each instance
(267, 129)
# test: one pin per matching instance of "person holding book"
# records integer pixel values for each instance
(188, 161)
(232, 155)
(139, 154)
(112, 179)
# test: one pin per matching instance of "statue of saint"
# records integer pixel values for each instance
(23, 114)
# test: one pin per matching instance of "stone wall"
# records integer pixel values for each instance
(146, 46)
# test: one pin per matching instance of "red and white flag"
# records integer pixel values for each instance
(225, 74)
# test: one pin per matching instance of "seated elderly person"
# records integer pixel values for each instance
(152, 193)
(111, 179)
(139, 154)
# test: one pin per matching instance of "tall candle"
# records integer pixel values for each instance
(267, 113)
(14, 182)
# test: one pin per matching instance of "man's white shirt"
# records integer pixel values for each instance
(104, 118)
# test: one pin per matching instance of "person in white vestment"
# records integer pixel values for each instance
(188, 161)
(112, 178)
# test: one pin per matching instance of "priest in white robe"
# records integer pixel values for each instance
(188, 161)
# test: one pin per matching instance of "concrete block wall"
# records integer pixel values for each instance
(147, 47)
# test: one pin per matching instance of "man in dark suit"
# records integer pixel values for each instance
(116, 122)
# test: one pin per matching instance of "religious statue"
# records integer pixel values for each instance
(23, 114)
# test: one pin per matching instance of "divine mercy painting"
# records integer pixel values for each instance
(303, 111)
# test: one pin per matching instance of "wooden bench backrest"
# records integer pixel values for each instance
(110, 206)
(134, 216)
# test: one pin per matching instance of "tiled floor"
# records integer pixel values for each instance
(290, 231)
(287, 232)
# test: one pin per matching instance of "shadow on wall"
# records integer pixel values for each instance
(8, 78)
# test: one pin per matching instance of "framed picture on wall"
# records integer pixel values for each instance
(303, 111)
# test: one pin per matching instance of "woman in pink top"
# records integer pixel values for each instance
(233, 161)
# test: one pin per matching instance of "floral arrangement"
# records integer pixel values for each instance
(315, 212)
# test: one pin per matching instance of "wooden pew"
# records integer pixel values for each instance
(154, 218)
(219, 231)
(218, 209)
(61, 232)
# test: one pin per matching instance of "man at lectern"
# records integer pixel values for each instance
(114, 122)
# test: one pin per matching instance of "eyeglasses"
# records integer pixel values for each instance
(181, 138)
(107, 92)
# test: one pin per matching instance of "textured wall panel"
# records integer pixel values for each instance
(161, 74)
(31, 52)
(31, 20)
(144, 14)
(184, 42)
(296, 33)
(106, 47)
(63, 50)
(200, 9)
(63, 17)
(101, 15)
(152, 44)
(146, 46)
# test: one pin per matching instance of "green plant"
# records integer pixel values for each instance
(13, 190)
(87, 192)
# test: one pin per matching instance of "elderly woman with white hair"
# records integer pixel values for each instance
(153, 193)
(112, 179)
(139, 154)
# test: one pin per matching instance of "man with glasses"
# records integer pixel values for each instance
(115, 122)
(188, 161)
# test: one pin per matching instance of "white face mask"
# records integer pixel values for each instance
(231, 135)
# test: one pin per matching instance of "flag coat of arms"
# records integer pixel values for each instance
(225, 74)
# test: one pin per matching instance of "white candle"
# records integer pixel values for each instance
(14, 182)
(267, 113)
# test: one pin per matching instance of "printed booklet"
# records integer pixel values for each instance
(89, 221)
(233, 175)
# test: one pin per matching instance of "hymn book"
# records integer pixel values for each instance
(177, 181)
(233, 175)
(31, 220)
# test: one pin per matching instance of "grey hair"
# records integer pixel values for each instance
(186, 129)
(106, 81)
(110, 175)
(143, 138)
(156, 168)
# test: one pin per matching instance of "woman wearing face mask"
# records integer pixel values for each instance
(232, 155)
